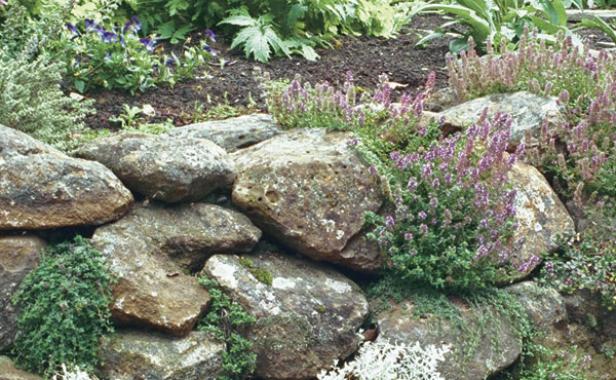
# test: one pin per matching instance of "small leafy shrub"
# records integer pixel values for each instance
(64, 309)
(382, 124)
(391, 361)
(453, 221)
(31, 99)
(227, 320)
(119, 58)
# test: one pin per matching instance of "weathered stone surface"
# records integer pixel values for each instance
(162, 167)
(130, 355)
(540, 216)
(152, 289)
(8, 371)
(188, 233)
(309, 190)
(363, 254)
(545, 306)
(19, 255)
(527, 110)
(307, 318)
(42, 188)
(441, 99)
(233, 133)
(14, 142)
(486, 344)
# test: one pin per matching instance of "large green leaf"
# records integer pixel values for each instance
(480, 26)
(239, 20)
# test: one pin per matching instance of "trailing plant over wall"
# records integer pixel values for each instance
(589, 260)
(64, 307)
(454, 210)
(577, 155)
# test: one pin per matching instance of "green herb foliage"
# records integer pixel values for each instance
(272, 27)
(227, 320)
(31, 99)
(64, 306)
(108, 57)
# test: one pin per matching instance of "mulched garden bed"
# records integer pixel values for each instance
(234, 83)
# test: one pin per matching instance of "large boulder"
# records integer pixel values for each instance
(309, 189)
(8, 371)
(42, 188)
(233, 133)
(481, 339)
(170, 169)
(149, 252)
(19, 255)
(130, 355)
(307, 315)
(541, 220)
(528, 112)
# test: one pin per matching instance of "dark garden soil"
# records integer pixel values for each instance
(234, 83)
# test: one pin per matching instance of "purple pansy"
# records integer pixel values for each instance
(209, 33)
(149, 43)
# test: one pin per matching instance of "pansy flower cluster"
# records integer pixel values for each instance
(118, 57)
(454, 209)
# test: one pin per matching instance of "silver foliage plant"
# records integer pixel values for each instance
(385, 360)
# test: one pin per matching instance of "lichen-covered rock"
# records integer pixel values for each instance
(19, 255)
(152, 289)
(130, 355)
(8, 371)
(482, 340)
(42, 188)
(441, 99)
(163, 167)
(527, 110)
(545, 306)
(188, 233)
(309, 189)
(14, 142)
(233, 133)
(541, 219)
(364, 254)
(307, 315)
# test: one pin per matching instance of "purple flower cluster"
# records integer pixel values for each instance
(343, 105)
(116, 34)
(461, 182)
(584, 83)
(542, 69)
